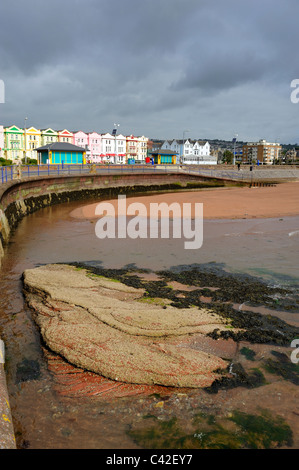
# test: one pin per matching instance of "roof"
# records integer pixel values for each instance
(61, 146)
(163, 152)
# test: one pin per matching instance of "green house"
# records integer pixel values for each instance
(48, 136)
(60, 153)
(13, 143)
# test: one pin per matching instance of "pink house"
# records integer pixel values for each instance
(94, 145)
(80, 139)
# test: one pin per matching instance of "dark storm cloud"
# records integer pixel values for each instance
(254, 42)
(159, 66)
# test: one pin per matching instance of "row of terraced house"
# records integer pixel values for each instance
(17, 143)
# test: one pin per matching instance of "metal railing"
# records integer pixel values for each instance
(15, 172)
(6, 174)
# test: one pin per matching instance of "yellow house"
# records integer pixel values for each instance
(32, 142)
(142, 149)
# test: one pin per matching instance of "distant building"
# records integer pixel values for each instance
(149, 145)
(32, 142)
(197, 153)
(48, 136)
(108, 147)
(94, 144)
(188, 152)
(80, 139)
(13, 143)
(262, 152)
(156, 145)
(141, 149)
(65, 136)
(132, 148)
(290, 156)
(121, 147)
(173, 145)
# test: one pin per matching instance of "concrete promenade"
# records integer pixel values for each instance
(29, 192)
(245, 173)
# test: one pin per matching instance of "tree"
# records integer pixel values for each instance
(29, 161)
(4, 162)
(227, 157)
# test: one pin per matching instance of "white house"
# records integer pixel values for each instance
(120, 148)
(107, 147)
(187, 150)
(2, 141)
(171, 145)
(197, 153)
(113, 148)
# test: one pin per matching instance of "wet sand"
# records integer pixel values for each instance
(221, 203)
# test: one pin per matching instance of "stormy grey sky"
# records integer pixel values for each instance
(156, 67)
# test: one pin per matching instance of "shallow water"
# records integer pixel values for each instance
(267, 248)
(264, 247)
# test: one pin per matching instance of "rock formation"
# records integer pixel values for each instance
(104, 326)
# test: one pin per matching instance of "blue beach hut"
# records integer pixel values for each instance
(61, 153)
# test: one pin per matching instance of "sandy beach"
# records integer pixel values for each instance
(222, 203)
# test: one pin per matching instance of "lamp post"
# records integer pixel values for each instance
(115, 132)
(182, 157)
(25, 155)
(234, 141)
(276, 152)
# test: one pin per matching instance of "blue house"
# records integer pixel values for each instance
(61, 153)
